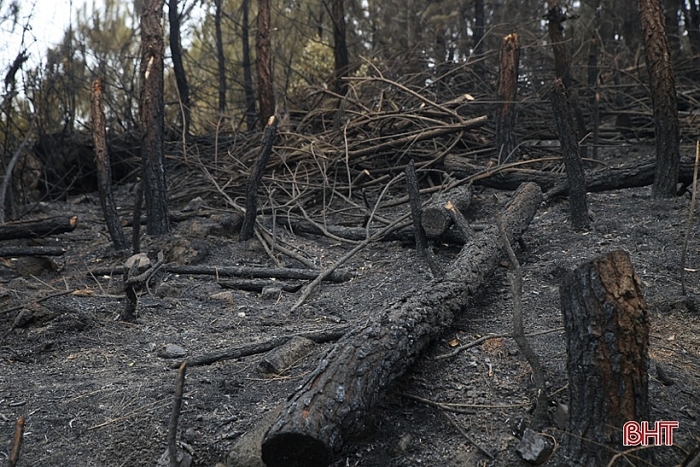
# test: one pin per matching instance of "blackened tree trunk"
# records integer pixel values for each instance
(479, 24)
(572, 157)
(250, 116)
(663, 98)
(507, 90)
(562, 70)
(151, 113)
(607, 337)
(340, 47)
(183, 88)
(220, 58)
(594, 99)
(104, 169)
(266, 92)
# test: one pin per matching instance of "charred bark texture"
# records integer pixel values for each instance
(572, 158)
(152, 118)
(436, 219)
(220, 58)
(340, 47)
(507, 90)
(266, 92)
(183, 87)
(39, 228)
(104, 168)
(607, 332)
(663, 98)
(332, 403)
(250, 116)
(251, 192)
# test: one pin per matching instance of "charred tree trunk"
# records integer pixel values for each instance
(104, 169)
(593, 73)
(607, 336)
(250, 116)
(340, 47)
(479, 26)
(562, 70)
(251, 192)
(220, 58)
(266, 92)
(333, 402)
(183, 88)
(39, 228)
(507, 90)
(572, 158)
(152, 118)
(663, 98)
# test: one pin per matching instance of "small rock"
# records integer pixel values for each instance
(23, 318)
(184, 459)
(271, 292)
(225, 296)
(142, 258)
(172, 351)
(534, 447)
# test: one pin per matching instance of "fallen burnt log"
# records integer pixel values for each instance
(630, 175)
(333, 402)
(435, 218)
(238, 271)
(38, 228)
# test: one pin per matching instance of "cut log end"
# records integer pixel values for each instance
(295, 450)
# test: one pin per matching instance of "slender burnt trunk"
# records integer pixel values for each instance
(152, 118)
(507, 90)
(340, 47)
(479, 23)
(250, 116)
(264, 62)
(220, 58)
(663, 98)
(183, 88)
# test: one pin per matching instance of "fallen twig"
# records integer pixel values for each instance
(16, 443)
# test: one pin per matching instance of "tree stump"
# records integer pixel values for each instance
(507, 89)
(607, 338)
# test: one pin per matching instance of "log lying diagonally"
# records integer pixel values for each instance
(332, 404)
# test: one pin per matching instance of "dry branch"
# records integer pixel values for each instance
(332, 403)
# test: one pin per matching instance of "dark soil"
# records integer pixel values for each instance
(95, 391)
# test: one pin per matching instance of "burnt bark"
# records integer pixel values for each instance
(572, 157)
(414, 201)
(479, 27)
(104, 168)
(340, 46)
(436, 219)
(507, 90)
(152, 109)
(251, 192)
(220, 58)
(607, 336)
(333, 402)
(38, 228)
(183, 87)
(266, 93)
(250, 115)
(663, 98)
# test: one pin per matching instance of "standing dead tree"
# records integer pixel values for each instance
(104, 169)
(266, 92)
(507, 90)
(332, 403)
(607, 337)
(183, 88)
(572, 157)
(663, 98)
(152, 111)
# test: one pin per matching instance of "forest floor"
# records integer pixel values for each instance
(96, 391)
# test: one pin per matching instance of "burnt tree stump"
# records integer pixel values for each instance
(334, 400)
(435, 218)
(507, 89)
(607, 337)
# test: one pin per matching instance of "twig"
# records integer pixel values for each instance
(439, 405)
(175, 415)
(38, 300)
(491, 336)
(466, 436)
(16, 443)
(516, 281)
(691, 214)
